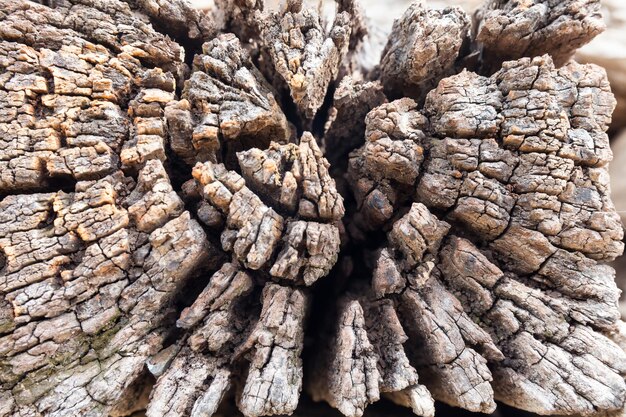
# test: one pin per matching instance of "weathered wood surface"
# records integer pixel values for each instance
(174, 237)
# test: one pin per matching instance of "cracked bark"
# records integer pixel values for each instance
(507, 171)
(423, 47)
(202, 207)
(513, 29)
(305, 57)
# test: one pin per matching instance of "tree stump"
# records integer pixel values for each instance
(229, 206)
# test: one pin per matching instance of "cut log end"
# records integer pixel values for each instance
(230, 205)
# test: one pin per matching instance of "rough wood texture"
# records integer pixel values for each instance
(345, 127)
(227, 105)
(305, 55)
(292, 179)
(511, 29)
(174, 238)
(609, 51)
(423, 47)
(516, 188)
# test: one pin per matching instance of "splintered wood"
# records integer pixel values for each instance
(227, 205)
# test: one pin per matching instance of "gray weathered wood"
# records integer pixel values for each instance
(174, 238)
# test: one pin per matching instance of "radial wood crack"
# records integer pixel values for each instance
(228, 205)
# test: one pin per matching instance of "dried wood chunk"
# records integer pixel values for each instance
(390, 158)
(366, 42)
(467, 107)
(442, 322)
(227, 106)
(302, 244)
(294, 178)
(417, 398)
(223, 327)
(529, 322)
(514, 29)
(304, 54)
(447, 337)
(364, 357)
(358, 21)
(275, 377)
(89, 290)
(503, 164)
(387, 336)
(213, 314)
(308, 247)
(153, 201)
(563, 379)
(193, 384)
(108, 23)
(69, 70)
(180, 19)
(466, 266)
(497, 174)
(348, 378)
(148, 133)
(423, 47)
(91, 272)
(200, 374)
(345, 127)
